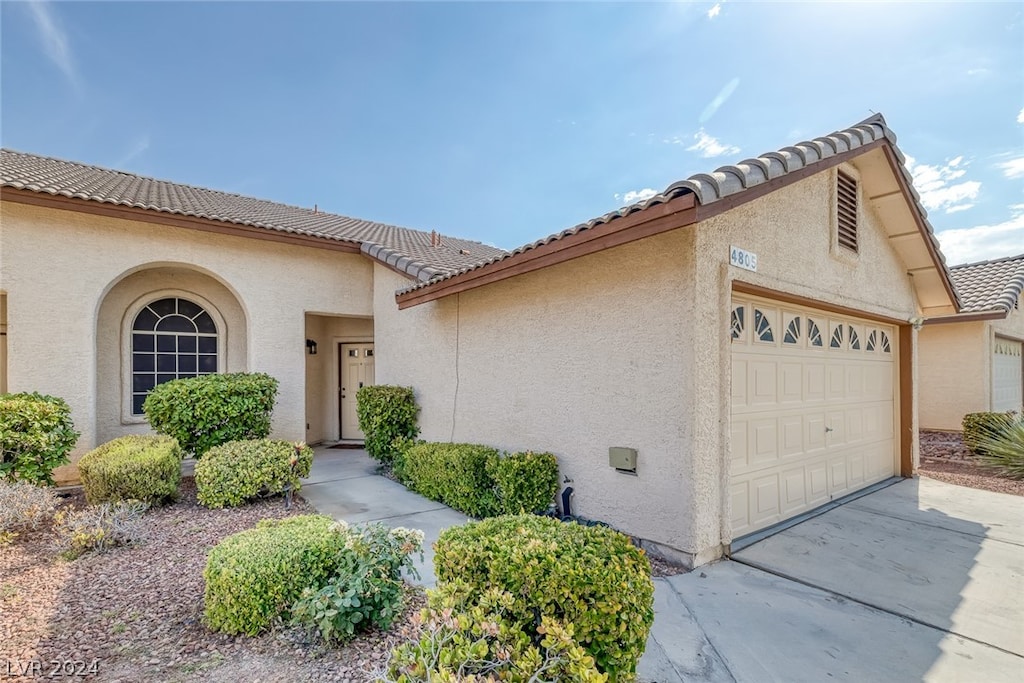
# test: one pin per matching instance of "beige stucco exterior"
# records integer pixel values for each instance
(68, 277)
(956, 367)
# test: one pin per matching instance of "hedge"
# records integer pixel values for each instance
(146, 468)
(525, 482)
(207, 411)
(590, 577)
(36, 436)
(386, 413)
(238, 471)
(454, 474)
(979, 427)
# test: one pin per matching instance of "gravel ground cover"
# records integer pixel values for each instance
(944, 457)
(134, 613)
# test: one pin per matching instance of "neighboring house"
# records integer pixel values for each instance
(971, 362)
(750, 393)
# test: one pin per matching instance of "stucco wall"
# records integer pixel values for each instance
(59, 265)
(571, 359)
(955, 370)
(322, 371)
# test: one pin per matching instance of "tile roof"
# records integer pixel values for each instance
(733, 179)
(405, 249)
(989, 285)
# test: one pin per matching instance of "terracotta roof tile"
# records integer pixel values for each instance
(409, 250)
(989, 285)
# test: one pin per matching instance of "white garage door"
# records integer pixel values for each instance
(1006, 375)
(813, 409)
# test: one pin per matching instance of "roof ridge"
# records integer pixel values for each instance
(987, 263)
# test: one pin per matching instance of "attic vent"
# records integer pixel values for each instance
(846, 211)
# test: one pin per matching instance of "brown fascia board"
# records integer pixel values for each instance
(657, 219)
(967, 317)
(134, 213)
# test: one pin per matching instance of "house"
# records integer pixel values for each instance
(726, 355)
(971, 362)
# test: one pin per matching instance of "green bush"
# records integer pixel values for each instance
(1003, 450)
(238, 471)
(456, 641)
(386, 413)
(24, 507)
(367, 586)
(203, 412)
(146, 468)
(979, 427)
(98, 527)
(525, 482)
(454, 474)
(590, 577)
(255, 576)
(36, 436)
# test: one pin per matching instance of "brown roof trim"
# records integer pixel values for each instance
(757, 290)
(967, 317)
(657, 219)
(132, 213)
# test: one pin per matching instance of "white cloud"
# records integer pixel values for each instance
(635, 195)
(983, 242)
(707, 145)
(941, 187)
(136, 150)
(724, 94)
(55, 41)
(715, 11)
(1014, 168)
(1020, 116)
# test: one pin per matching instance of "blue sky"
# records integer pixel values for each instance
(507, 122)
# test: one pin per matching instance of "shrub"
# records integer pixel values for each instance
(386, 413)
(454, 641)
(1004, 450)
(590, 577)
(454, 474)
(525, 482)
(367, 586)
(23, 507)
(36, 436)
(146, 468)
(207, 411)
(255, 576)
(236, 472)
(99, 527)
(981, 426)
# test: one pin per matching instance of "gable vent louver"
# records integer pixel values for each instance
(846, 211)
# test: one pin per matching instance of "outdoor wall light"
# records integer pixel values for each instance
(311, 347)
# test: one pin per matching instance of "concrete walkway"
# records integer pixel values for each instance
(919, 581)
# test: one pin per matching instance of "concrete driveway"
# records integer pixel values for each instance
(919, 581)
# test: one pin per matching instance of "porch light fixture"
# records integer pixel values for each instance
(311, 347)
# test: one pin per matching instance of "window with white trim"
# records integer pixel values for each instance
(172, 338)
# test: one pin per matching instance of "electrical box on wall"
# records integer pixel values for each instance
(622, 458)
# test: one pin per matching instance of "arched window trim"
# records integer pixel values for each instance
(127, 323)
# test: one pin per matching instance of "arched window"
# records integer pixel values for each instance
(172, 338)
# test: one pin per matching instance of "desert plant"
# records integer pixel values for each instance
(255, 576)
(146, 468)
(590, 577)
(524, 482)
(210, 410)
(99, 527)
(36, 436)
(454, 474)
(979, 427)
(236, 472)
(385, 413)
(366, 588)
(24, 507)
(1003, 450)
(456, 641)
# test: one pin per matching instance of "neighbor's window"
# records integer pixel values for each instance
(846, 211)
(172, 338)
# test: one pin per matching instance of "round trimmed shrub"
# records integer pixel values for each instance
(591, 577)
(255, 576)
(238, 471)
(36, 436)
(146, 468)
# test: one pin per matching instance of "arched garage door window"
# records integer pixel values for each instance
(172, 338)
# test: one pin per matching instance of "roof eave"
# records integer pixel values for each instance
(967, 317)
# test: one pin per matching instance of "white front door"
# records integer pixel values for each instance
(813, 398)
(1006, 375)
(356, 364)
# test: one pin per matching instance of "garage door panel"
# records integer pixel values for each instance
(1007, 383)
(813, 411)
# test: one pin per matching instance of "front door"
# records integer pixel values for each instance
(356, 369)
